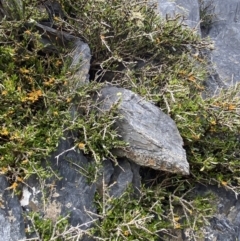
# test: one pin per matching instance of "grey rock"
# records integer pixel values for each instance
(224, 31)
(153, 137)
(189, 9)
(224, 11)
(81, 56)
(136, 181)
(225, 225)
(121, 178)
(226, 55)
(70, 194)
(105, 175)
(54, 9)
(115, 179)
(75, 194)
(12, 227)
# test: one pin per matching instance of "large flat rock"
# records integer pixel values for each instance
(153, 137)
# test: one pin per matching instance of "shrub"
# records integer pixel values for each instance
(159, 59)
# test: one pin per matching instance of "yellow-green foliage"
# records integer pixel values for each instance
(153, 214)
(120, 33)
(36, 104)
(47, 229)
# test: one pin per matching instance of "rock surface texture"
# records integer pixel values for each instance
(153, 138)
(224, 31)
(225, 225)
(69, 195)
(12, 227)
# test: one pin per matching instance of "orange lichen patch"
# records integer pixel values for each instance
(231, 107)
(196, 137)
(28, 32)
(10, 112)
(191, 78)
(200, 87)
(224, 183)
(213, 122)
(25, 161)
(3, 170)
(4, 132)
(81, 145)
(225, 105)
(158, 41)
(29, 79)
(182, 72)
(13, 186)
(177, 225)
(49, 82)
(24, 71)
(58, 62)
(176, 219)
(4, 92)
(14, 136)
(199, 59)
(33, 96)
(218, 104)
(19, 179)
(212, 129)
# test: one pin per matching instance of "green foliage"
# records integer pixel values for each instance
(206, 13)
(128, 218)
(159, 59)
(212, 141)
(38, 102)
(129, 34)
(47, 229)
(163, 62)
(155, 211)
